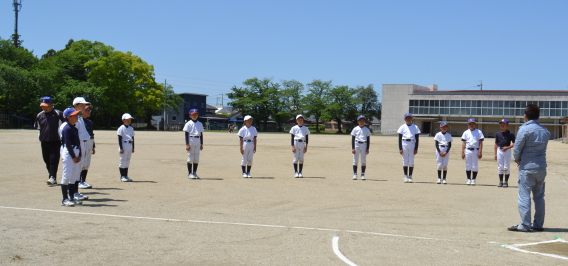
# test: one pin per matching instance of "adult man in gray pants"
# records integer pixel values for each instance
(530, 155)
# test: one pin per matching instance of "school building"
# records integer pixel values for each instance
(430, 106)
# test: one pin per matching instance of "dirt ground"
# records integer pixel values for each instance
(272, 219)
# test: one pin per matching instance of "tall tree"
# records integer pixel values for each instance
(369, 104)
(341, 104)
(257, 99)
(316, 100)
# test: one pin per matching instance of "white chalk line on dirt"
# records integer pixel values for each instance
(561, 178)
(517, 247)
(335, 245)
(225, 223)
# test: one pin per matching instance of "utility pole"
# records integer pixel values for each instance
(480, 85)
(165, 86)
(17, 8)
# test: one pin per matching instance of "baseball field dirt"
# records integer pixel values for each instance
(162, 217)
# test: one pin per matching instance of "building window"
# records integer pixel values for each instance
(174, 118)
(194, 104)
(202, 105)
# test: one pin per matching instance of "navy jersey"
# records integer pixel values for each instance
(504, 139)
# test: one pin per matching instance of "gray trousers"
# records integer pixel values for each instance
(531, 180)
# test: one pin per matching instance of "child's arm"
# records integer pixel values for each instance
(400, 142)
(241, 144)
(292, 142)
(437, 146)
(201, 139)
(449, 147)
(368, 143)
(306, 147)
(132, 144)
(352, 144)
(496, 150)
(254, 145)
(463, 148)
(120, 144)
(187, 148)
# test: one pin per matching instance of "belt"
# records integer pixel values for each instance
(129, 141)
(407, 139)
(194, 136)
(92, 137)
(299, 140)
(362, 141)
(472, 149)
(247, 140)
(84, 140)
(443, 145)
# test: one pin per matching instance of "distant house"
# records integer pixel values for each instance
(192, 101)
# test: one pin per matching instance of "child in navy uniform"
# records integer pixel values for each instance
(126, 146)
(503, 148)
(71, 155)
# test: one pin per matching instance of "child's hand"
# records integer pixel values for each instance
(495, 157)
(479, 155)
(242, 151)
(187, 148)
(463, 155)
(353, 151)
(121, 151)
(293, 149)
(305, 149)
(415, 152)
(132, 150)
(201, 147)
(400, 152)
(367, 152)
(76, 160)
(93, 150)
(254, 151)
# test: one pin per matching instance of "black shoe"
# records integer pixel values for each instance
(537, 229)
(516, 228)
(505, 184)
(500, 184)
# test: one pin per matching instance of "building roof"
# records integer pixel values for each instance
(492, 92)
(197, 94)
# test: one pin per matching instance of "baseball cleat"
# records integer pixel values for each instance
(87, 184)
(405, 179)
(354, 177)
(444, 181)
(190, 176)
(125, 179)
(248, 175)
(473, 182)
(362, 176)
(500, 184)
(296, 175)
(82, 185)
(505, 185)
(51, 181)
(80, 196)
(77, 202)
(300, 175)
(468, 182)
(410, 179)
(518, 228)
(195, 176)
(439, 181)
(245, 175)
(67, 203)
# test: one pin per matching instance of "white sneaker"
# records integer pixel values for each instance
(439, 181)
(125, 179)
(67, 203)
(195, 176)
(248, 175)
(362, 176)
(409, 179)
(87, 184)
(296, 175)
(300, 175)
(473, 182)
(190, 176)
(354, 177)
(405, 179)
(51, 181)
(444, 181)
(245, 175)
(82, 185)
(468, 182)
(80, 196)
(77, 202)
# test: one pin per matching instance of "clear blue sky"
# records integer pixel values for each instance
(209, 46)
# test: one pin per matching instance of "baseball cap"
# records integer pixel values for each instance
(298, 116)
(79, 100)
(247, 117)
(361, 116)
(407, 115)
(88, 107)
(443, 124)
(126, 116)
(45, 101)
(193, 111)
(69, 111)
(504, 121)
(471, 120)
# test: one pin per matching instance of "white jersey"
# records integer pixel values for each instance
(300, 132)
(61, 130)
(472, 138)
(127, 133)
(248, 133)
(361, 133)
(193, 128)
(83, 133)
(408, 132)
(443, 139)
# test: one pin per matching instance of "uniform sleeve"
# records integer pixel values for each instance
(464, 136)
(133, 134)
(66, 141)
(368, 133)
(120, 141)
(400, 130)
(450, 139)
(292, 130)
(368, 142)
(437, 137)
(417, 140)
(417, 129)
(186, 127)
(449, 146)
(241, 134)
(186, 137)
(307, 131)
(36, 122)
(437, 143)
(352, 142)
(292, 139)
(481, 136)
(513, 137)
(399, 141)
(201, 138)
(354, 132)
(120, 131)
(306, 139)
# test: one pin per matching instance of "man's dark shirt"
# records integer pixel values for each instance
(48, 125)
(504, 139)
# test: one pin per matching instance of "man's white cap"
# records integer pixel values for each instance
(79, 100)
(126, 116)
(298, 116)
(247, 117)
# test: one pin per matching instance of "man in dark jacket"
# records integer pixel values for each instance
(48, 121)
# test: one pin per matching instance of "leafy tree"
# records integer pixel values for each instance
(255, 99)
(316, 100)
(293, 90)
(341, 104)
(369, 104)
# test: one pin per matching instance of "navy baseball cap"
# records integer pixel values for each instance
(443, 124)
(45, 101)
(407, 115)
(504, 121)
(192, 111)
(361, 116)
(69, 111)
(471, 120)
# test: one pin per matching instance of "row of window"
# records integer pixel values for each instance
(491, 104)
(195, 105)
(484, 111)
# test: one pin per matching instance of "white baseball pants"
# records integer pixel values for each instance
(86, 160)
(249, 152)
(360, 150)
(299, 154)
(71, 170)
(408, 153)
(194, 150)
(504, 161)
(442, 161)
(125, 157)
(471, 159)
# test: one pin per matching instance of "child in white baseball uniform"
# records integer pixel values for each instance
(503, 146)
(443, 140)
(408, 145)
(71, 155)
(247, 139)
(125, 146)
(193, 142)
(299, 141)
(79, 104)
(360, 141)
(89, 147)
(472, 148)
